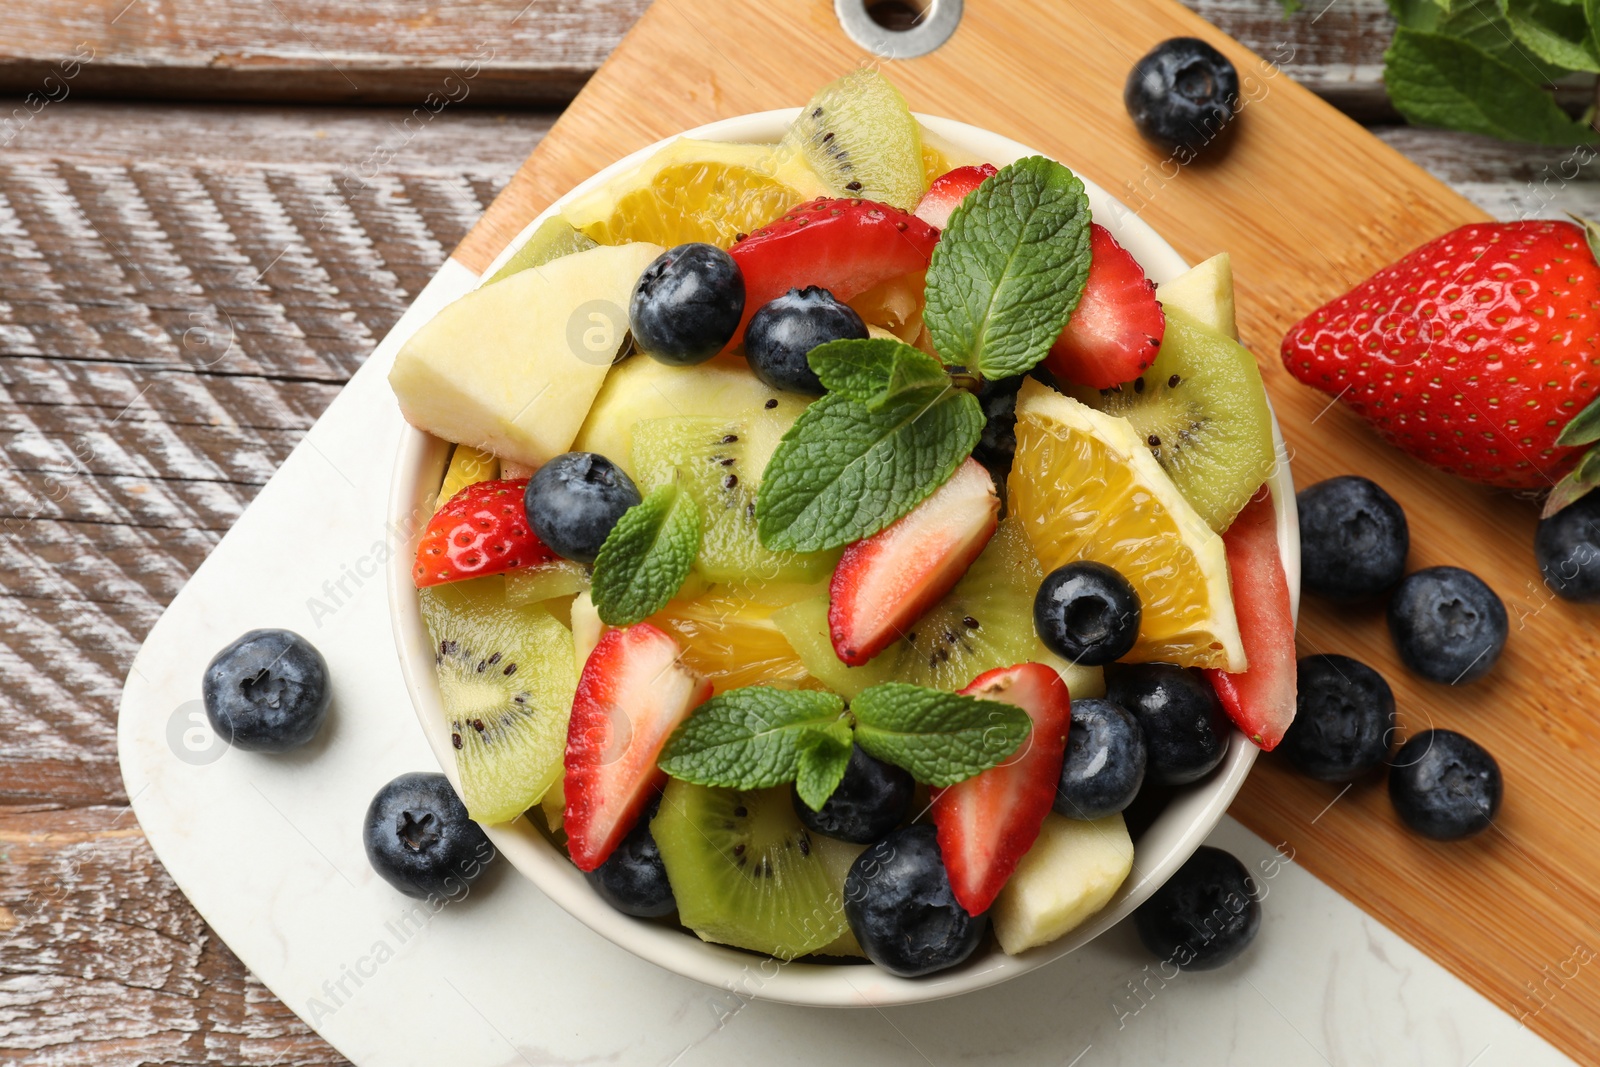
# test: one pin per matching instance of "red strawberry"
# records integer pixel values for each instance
(1260, 701)
(1116, 330)
(481, 530)
(885, 582)
(845, 246)
(989, 821)
(632, 695)
(1472, 353)
(948, 190)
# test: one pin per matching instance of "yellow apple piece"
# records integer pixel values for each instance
(1071, 872)
(513, 367)
(1206, 293)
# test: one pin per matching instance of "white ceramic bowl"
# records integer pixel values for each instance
(1159, 851)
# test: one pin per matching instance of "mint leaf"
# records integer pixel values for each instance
(941, 738)
(750, 738)
(1555, 32)
(824, 757)
(1009, 269)
(842, 472)
(877, 371)
(1480, 23)
(646, 556)
(1435, 80)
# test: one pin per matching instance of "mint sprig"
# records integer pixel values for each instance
(878, 371)
(1009, 269)
(759, 737)
(941, 738)
(752, 738)
(646, 557)
(843, 471)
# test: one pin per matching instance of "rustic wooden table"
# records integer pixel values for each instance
(184, 286)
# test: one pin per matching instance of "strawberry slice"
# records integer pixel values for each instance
(885, 582)
(1261, 701)
(633, 693)
(1116, 330)
(989, 821)
(845, 246)
(481, 530)
(948, 190)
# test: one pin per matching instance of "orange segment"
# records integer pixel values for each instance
(1085, 487)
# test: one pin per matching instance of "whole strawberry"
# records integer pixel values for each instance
(1474, 353)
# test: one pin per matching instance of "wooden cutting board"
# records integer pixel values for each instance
(1309, 204)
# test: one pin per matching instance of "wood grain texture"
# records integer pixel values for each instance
(182, 291)
(1299, 234)
(394, 51)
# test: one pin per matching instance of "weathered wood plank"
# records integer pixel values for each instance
(513, 50)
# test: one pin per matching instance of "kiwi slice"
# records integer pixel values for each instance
(1203, 411)
(546, 581)
(720, 463)
(506, 678)
(860, 138)
(745, 871)
(554, 238)
(985, 622)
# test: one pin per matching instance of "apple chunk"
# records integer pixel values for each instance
(512, 367)
(1206, 292)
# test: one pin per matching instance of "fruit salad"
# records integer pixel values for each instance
(841, 535)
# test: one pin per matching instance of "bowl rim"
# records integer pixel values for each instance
(419, 464)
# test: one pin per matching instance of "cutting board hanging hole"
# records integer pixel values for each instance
(898, 29)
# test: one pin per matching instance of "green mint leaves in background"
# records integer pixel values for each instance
(646, 557)
(759, 737)
(1009, 269)
(1485, 66)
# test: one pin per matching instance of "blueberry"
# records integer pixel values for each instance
(1444, 785)
(902, 910)
(1343, 715)
(633, 879)
(418, 837)
(267, 692)
(998, 444)
(1447, 625)
(1568, 549)
(1353, 539)
(1182, 94)
(1185, 728)
(872, 799)
(574, 500)
(1105, 761)
(1205, 915)
(784, 330)
(687, 304)
(1087, 613)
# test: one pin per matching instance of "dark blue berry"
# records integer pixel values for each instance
(1205, 915)
(1105, 761)
(1343, 717)
(1447, 625)
(1568, 549)
(574, 500)
(1087, 613)
(633, 879)
(418, 837)
(1182, 94)
(267, 692)
(687, 304)
(998, 443)
(784, 330)
(1353, 539)
(1444, 785)
(902, 910)
(873, 798)
(1185, 728)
